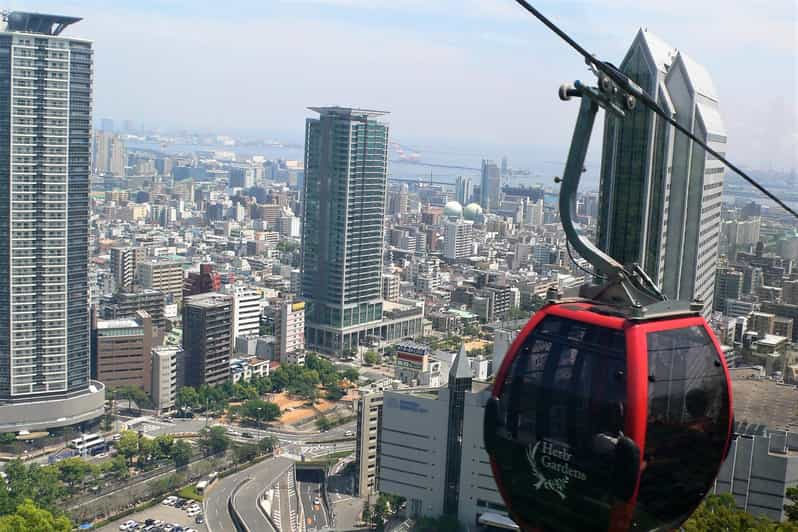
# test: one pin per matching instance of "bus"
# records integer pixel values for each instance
(89, 445)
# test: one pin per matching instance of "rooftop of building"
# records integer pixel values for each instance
(208, 300)
(42, 23)
(772, 340)
(126, 323)
(761, 401)
(348, 111)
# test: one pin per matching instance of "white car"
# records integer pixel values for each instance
(193, 512)
(128, 525)
(169, 501)
(316, 501)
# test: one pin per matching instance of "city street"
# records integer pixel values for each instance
(309, 485)
(246, 498)
(216, 512)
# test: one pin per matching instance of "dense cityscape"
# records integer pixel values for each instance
(207, 332)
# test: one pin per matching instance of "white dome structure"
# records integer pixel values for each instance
(472, 211)
(453, 210)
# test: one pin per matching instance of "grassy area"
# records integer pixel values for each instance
(190, 492)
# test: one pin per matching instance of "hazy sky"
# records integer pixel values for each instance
(472, 75)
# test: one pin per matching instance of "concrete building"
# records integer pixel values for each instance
(728, 285)
(431, 449)
(763, 458)
(661, 196)
(110, 155)
(246, 310)
(289, 331)
(202, 281)
(464, 190)
(162, 274)
(125, 304)
(164, 377)
(123, 265)
(415, 367)
(761, 322)
(458, 240)
(533, 212)
(207, 338)
(121, 352)
(390, 287)
(367, 449)
(45, 345)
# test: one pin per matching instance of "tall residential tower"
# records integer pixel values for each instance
(661, 194)
(45, 139)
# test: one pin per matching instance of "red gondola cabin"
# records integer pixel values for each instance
(603, 422)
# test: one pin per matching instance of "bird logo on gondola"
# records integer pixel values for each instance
(557, 485)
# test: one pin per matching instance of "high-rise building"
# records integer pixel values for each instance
(123, 265)
(490, 187)
(728, 285)
(164, 377)
(464, 189)
(660, 194)
(346, 157)
(45, 141)
(397, 200)
(533, 212)
(162, 274)
(246, 311)
(367, 446)
(122, 352)
(207, 338)
(390, 287)
(110, 154)
(457, 239)
(289, 330)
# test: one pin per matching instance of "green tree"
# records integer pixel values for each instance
(148, 452)
(324, 424)
(267, 444)
(163, 445)
(351, 374)
(73, 471)
(371, 358)
(260, 410)
(8, 437)
(792, 508)
(214, 440)
(128, 444)
(244, 452)
(471, 330)
(116, 467)
(335, 392)
(181, 453)
(187, 397)
(29, 517)
(719, 512)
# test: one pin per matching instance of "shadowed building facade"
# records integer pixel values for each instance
(660, 193)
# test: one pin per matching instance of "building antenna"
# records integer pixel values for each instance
(633, 90)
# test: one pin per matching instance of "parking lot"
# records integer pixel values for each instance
(169, 515)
